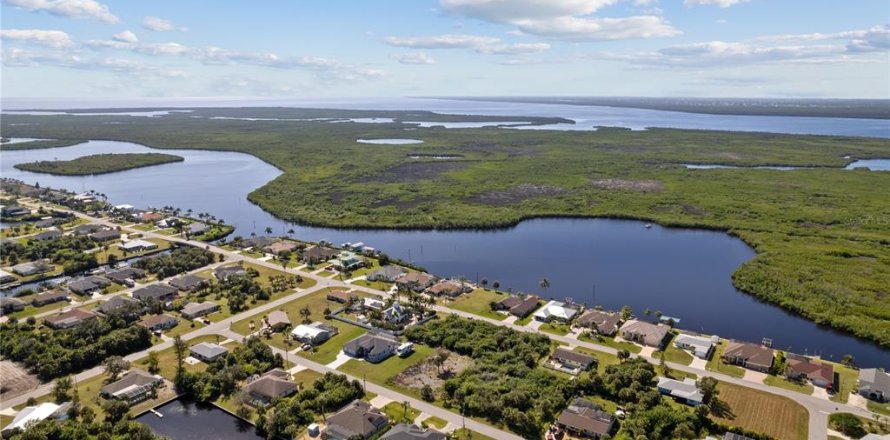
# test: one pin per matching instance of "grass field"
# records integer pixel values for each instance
(609, 341)
(435, 422)
(167, 357)
(466, 434)
(676, 355)
(400, 413)
(849, 378)
(478, 302)
(781, 382)
(880, 408)
(754, 410)
(603, 359)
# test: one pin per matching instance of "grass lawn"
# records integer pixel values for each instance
(526, 320)
(603, 359)
(716, 363)
(676, 355)
(144, 227)
(183, 327)
(30, 310)
(316, 302)
(880, 408)
(327, 352)
(366, 270)
(609, 341)
(378, 285)
(555, 328)
(435, 422)
(848, 382)
(398, 412)
(382, 372)
(168, 232)
(266, 273)
(167, 357)
(102, 255)
(869, 425)
(776, 416)
(781, 382)
(466, 434)
(478, 302)
(306, 378)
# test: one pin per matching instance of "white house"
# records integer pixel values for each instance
(686, 391)
(556, 310)
(34, 414)
(395, 314)
(137, 245)
(314, 333)
(700, 346)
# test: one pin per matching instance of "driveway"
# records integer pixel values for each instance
(698, 363)
(342, 358)
(534, 324)
(820, 392)
(754, 376)
(380, 401)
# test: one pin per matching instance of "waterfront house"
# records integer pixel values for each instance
(700, 346)
(6, 277)
(404, 431)
(87, 229)
(133, 387)
(187, 283)
(556, 311)
(603, 323)
(256, 242)
(685, 391)
(417, 281)
(645, 333)
(314, 334)
(137, 245)
(277, 320)
(9, 304)
(569, 361)
(224, 272)
(125, 276)
(88, 285)
(318, 254)
(734, 436)
(341, 296)
(268, 387)
(282, 246)
(160, 292)
(13, 211)
(387, 274)
(586, 419)
(874, 384)
(197, 229)
(159, 323)
(69, 319)
(194, 310)
(49, 297)
(105, 235)
(449, 288)
(358, 419)
(122, 305)
(346, 261)
(821, 374)
(51, 234)
(207, 352)
(372, 347)
(748, 355)
(519, 306)
(35, 414)
(33, 268)
(150, 217)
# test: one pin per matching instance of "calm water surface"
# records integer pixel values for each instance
(186, 420)
(681, 272)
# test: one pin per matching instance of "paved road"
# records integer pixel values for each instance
(818, 408)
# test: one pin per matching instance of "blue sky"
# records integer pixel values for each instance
(340, 48)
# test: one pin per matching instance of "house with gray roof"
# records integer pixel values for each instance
(159, 323)
(160, 292)
(194, 310)
(645, 333)
(188, 282)
(270, 386)
(207, 352)
(105, 235)
(223, 272)
(51, 234)
(404, 431)
(371, 347)
(125, 276)
(584, 418)
(197, 228)
(49, 297)
(685, 391)
(569, 361)
(133, 387)
(69, 319)
(88, 285)
(9, 304)
(604, 323)
(356, 420)
(32, 268)
(556, 311)
(874, 384)
(751, 356)
(700, 346)
(121, 304)
(388, 274)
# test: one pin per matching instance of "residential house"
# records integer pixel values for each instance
(685, 391)
(734, 436)
(256, 242)
(341, 296)
(137, 245)
(34, 414)
(187, 283)
(87, 229)
(159, 323)
(874, 384)
(519, 306)
(133, 387)
(207, 352)
(356, 420)
(404, 431)
(700, 346)
(151, 217)
(570, 361)
(314, 334)
(194, 310)
(449, 288)
(223, 272)
(6, 277)
(417, 281)
(603, 323)
(197, 228)
(106, 235)
(389, 274)
(751, 356)
(13, 210)
(125, 276)
(371, 347)
(821, 374)
(268, 387)
(160, 292)
(32, 268)
(69, 319)
(277, 320)
(396, 314)
(556, 311)
(370, 304)
(121, 304)
(318, 254)
(586, 419)
(282, 246)
(51, 234)
(645, 333)
(347, 261)
(49, 297)
(9, 304)
(88, 285)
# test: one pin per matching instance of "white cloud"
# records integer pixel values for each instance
(54, 39)
(68, 8)
(514, 49)
(160, 25)
(126, 37)
(563, 19)
(413, 58)
(720, 3)
(162, 49)
(447, 41)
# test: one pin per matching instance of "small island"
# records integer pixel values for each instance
(98, 163)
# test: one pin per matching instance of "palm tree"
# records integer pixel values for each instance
(545, 284)
(268, 230)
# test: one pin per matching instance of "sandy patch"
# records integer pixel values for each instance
(511, 319)
(427, 373)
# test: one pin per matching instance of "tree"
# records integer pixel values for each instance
(152, 362)
(545, 284)
(115, 410)
(427, 393)
(847, 424)
(626, 313)
(709, 391)
(440, 358)
(496, 285)
(623, 355)
(268, 230)
(848, 360)
(484, 283)
(180, 348)
(114, 366)
(62, 389)
(305, 312)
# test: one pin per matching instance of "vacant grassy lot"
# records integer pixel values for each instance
(603, 359)
(400, 413)
(609, 341)
(674, 354)
(478, 302)
(167, 357)
(773, 415)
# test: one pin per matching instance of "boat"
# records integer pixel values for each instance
(648, 226)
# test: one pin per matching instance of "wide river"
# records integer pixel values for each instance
(681, 272)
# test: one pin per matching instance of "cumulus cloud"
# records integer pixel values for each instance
(562, 19)
(48, 38)
(68, 8)
(720, 3)
(413, 58)
(447, 41)
(160, 25)
(514, 49)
